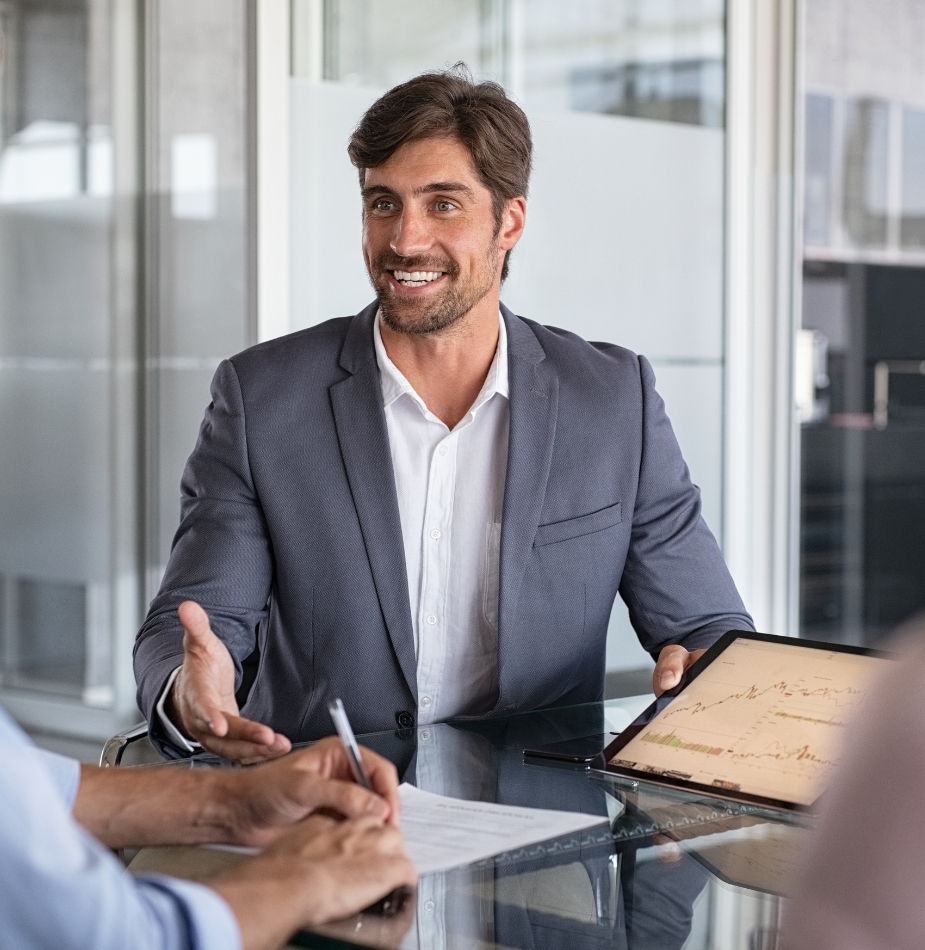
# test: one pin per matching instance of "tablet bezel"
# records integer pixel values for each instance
(602, 762)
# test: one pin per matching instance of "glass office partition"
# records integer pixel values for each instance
(123, 244)
(860, 385)
(59, 368)
(625, 235)
(197, 309)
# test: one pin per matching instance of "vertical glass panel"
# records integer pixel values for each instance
(865, 172)
(381, 44)
(648, 60)
(56, 367)
(860, 385)
(817, 182)
(198, 299)
(863, 470)
(913, 188)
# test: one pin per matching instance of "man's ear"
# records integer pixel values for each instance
(513, 222)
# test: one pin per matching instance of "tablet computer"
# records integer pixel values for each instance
(757, 718)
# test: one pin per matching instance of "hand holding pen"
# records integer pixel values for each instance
(397, 900)
(368, 770)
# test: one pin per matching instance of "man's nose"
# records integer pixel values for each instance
(411, 236)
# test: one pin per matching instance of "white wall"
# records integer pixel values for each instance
(624, 243)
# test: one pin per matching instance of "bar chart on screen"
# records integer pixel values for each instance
(765, 718)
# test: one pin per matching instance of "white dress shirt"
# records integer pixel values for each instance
(450, 487)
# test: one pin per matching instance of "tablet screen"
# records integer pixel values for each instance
(764, 719)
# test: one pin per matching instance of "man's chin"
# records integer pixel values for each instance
(417, 318)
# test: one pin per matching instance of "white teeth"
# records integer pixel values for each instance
(416, 278)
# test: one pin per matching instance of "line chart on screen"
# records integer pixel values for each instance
(764, 718)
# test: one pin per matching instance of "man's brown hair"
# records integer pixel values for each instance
(451, 104)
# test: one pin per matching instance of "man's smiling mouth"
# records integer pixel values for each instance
(416, 278)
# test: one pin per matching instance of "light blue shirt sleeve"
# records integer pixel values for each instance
(61, 888)
(64, 773)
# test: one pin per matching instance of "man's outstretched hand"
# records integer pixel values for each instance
(672, 663)
(202, 703)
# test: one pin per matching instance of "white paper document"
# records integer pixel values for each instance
(443, 833)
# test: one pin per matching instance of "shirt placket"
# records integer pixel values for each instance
(436, 542)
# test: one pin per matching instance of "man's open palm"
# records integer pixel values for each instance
(202, 700)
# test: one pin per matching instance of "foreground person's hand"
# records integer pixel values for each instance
(270, 797)
(672, 664)
(321, 870)
(202, 701)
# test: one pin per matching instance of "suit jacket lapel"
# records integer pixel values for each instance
(361, 431)
(534, 394)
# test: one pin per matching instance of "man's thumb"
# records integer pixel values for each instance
(195, 621)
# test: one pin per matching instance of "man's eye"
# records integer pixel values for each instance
(444, 206)
(383, 205)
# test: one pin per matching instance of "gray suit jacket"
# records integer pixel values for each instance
(290, 534)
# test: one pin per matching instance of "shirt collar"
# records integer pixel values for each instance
(394, 383)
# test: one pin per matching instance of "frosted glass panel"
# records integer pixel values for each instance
(57, 372)
(693, 397)
(624, 239)
(624, 234)
(328, 275)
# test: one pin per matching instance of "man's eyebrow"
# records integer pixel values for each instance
(437, 187)
(446, 186)
(376, 190)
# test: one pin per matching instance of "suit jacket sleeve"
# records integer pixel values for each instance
(675, 582)
(221, 555)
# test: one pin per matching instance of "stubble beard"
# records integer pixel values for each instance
(431, 316)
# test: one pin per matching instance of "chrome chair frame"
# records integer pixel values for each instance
(116, 746)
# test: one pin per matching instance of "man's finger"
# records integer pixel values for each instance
(255, 732)
(209, 720)
(350, 800)
(237, 750)
(240, 740)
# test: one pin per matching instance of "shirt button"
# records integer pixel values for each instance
(431, 619)
(436, 534)
(443, 450)
(430, 906)
(425, 736)
(425, 701)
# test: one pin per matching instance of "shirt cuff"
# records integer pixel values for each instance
(173, 733)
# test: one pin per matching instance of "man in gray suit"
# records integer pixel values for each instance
(426, 509)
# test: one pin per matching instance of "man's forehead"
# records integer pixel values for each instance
(422, 163)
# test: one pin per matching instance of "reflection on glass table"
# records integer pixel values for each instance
(666, 869)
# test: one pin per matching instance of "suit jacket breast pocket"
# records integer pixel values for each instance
(578, 527)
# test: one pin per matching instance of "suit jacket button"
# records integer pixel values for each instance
(404, 719)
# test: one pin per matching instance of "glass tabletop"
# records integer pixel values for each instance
(664, 869)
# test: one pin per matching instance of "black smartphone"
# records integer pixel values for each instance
(575, 751)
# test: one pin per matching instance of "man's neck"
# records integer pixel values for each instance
(448, 369)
